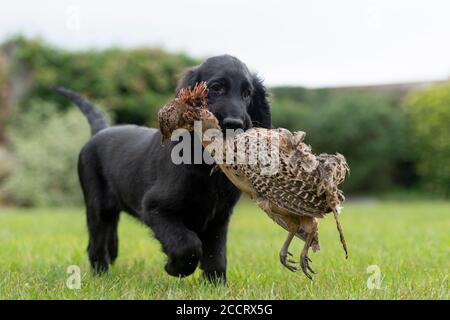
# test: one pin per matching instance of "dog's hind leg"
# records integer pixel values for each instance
(102, 213)
(103, 241)
(113, 240)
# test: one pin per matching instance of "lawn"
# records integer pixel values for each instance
(408, 241)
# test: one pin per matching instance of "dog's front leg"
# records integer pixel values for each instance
(182, 246)
(214, 258)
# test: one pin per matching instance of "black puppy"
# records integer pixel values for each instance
(125, 168)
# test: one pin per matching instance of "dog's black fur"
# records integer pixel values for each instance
(125, 168)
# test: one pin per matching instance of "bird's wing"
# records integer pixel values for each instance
(286, 177)
(289, 192)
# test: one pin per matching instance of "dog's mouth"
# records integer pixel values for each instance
(244, 126)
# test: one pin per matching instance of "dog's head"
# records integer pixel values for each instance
(236, 96)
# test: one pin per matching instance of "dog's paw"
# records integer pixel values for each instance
(184, 260)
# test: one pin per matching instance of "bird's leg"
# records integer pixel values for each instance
(292, 228)
(310, 226)
(304, 259)
(285, 261)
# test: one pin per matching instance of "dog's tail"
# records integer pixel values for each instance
(95, 117)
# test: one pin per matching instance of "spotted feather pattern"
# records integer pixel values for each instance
(304, 184)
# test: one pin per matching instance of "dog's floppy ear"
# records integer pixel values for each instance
(189, 79)
(259, 109)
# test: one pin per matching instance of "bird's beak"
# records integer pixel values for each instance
(165, 133)
(164, 136)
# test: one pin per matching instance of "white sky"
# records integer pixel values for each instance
(309, 43)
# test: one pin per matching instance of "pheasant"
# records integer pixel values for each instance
(293, 186)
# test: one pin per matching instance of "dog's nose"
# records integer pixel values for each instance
(233, 123)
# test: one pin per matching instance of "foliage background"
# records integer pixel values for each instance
(429, 119)
(393, 138)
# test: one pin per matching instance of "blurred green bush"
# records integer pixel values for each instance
(368, 128)
(389, 144)
(5, 106)
(428, 113)
(46, 143)
(133, 84)
(47, 131)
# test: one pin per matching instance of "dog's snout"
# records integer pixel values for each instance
(233, 123)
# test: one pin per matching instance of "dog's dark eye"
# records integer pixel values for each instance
(246, 94)
(217, 88)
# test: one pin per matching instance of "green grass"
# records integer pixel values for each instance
(408, 241)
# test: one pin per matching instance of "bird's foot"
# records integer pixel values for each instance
(287, 262)
(306, 268)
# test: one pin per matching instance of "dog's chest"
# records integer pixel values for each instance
(209, 198)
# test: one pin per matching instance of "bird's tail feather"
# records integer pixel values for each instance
(341, 233)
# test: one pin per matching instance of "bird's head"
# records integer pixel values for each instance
(189, 106)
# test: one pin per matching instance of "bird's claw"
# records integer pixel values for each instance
(304, 264)
(289, 254)
(285, 261)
